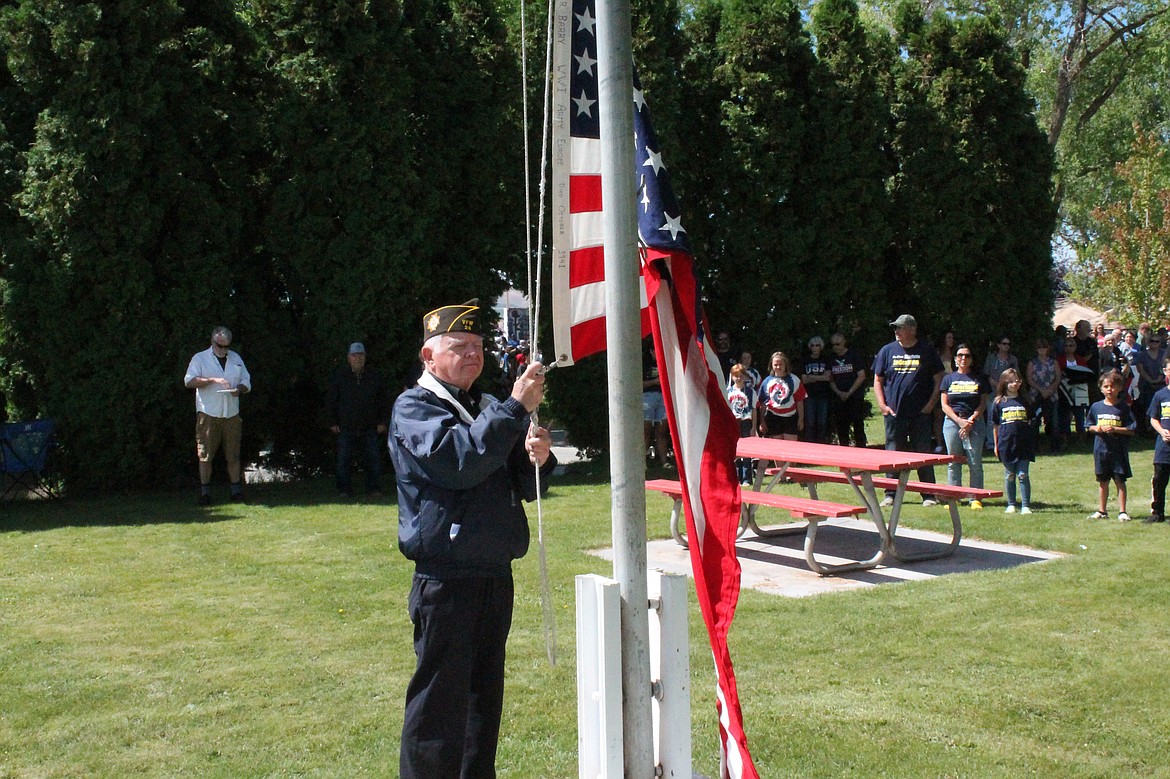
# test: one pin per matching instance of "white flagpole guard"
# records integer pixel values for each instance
(599, 678)
(670, 667)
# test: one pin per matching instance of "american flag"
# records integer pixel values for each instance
(702, 427)
(578, 259)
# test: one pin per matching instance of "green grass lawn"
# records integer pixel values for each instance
(144, 636)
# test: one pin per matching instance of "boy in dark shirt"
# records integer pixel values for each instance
(1111, 423)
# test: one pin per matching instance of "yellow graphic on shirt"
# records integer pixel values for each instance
(1165, 409)
(1013, 414)
(964, 387)
(906, 363)
(1109, 420)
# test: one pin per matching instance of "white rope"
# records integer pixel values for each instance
(550, 632)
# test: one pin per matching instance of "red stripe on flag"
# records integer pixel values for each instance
(586, 266)
(590, 334)
(584, 194)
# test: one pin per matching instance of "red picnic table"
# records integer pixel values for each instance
(856, 467)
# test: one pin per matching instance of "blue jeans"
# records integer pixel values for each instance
(368, 442)
(816, 419)
(910, 434)
(1012, 471)
(971, 446)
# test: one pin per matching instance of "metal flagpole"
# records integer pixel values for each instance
(623, 359)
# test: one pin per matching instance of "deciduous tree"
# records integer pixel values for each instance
(1132, 269)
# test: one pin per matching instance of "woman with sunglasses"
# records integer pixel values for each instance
(963, 396)
(817, 380)
(1044, 379)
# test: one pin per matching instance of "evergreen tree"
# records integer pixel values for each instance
(134, 193)
(763, 238)
(849, 166)
(972, 197)
(396, 178)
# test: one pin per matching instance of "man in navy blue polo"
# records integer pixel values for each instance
(906, 376)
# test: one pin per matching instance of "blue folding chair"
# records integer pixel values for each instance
(25, 449)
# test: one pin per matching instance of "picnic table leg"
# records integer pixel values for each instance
(675, 513)
(831, 569)
(867, 493)
(749, 515)
(956, 537)
(770, 532)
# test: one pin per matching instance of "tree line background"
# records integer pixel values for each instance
(312, 173)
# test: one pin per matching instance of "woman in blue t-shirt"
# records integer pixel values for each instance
(963, 396)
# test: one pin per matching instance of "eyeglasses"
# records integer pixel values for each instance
(963, 356)
(1005, 343)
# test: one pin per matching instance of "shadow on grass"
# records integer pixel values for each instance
(170, 507)
(180, 506)
(40, 516)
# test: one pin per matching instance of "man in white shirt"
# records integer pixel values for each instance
(218, 377)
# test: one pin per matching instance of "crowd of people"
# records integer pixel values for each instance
(1090, 383)
(464, 461)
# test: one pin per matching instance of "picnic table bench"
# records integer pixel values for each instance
(812, 510)
(945, 493)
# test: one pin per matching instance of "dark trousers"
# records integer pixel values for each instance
(1158, 489)
(846, 415)
(816, 419)
(456, 697)
(1049, 415)
(910, 434)
(369, 443)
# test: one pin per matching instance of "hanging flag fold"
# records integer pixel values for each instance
(702, 427)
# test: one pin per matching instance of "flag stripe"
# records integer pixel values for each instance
(584, 194)
(586, 266)
(588, 232)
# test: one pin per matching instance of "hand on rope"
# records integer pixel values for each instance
(529, 388)
(538, 444)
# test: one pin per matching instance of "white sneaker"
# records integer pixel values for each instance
(1010, 509)
(1123, 517)
(887, 502)
(930, 502)
(1098, 515)
(1025, 510)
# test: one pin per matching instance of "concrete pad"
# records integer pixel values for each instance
(777, 566)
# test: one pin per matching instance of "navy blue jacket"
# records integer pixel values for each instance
(460, 485)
